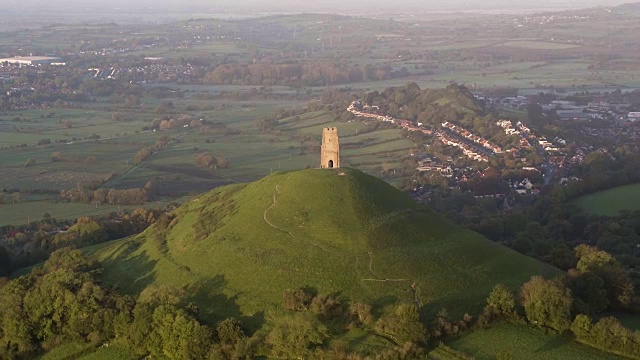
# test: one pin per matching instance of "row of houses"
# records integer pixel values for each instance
(467, 150)
(405, 124)
(472, 137)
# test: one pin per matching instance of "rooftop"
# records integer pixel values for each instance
(29, 58)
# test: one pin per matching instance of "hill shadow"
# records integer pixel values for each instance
(558, 341)
(128, 274)
(216, 306)
(381, 303)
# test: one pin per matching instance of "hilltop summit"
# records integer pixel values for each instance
(336, 231)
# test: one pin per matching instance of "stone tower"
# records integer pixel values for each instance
(330, 150)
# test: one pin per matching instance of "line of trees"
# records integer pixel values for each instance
(134, 196)
(57, 156)
(304, 74)
(148, 151)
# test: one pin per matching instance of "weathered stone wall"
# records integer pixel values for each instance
(330, 150)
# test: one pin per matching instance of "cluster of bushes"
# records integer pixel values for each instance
(57, 156)
(314, 318)
(403, 325)
(169, 123)
(209, 161)
(607, 334)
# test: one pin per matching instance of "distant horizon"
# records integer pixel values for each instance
(25, 14)
(320, 5)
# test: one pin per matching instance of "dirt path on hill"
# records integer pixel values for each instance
(266, 220)
(264, 216)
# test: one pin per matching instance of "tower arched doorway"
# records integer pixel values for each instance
(330, 164)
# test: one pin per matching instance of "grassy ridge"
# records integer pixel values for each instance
(339, 232)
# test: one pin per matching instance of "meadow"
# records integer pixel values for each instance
(611, 202)
(251, 153)
(84, 351)
(510, 341)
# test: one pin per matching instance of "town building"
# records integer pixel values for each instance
(31, 60)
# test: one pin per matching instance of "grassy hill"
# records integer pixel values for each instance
(235, 249)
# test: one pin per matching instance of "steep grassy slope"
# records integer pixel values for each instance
(236, 248)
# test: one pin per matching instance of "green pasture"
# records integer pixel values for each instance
(611, 202)
(522, 342)
(84, 351)
(27, 211)
(541, 45)
(462, 45)
(28, 127)
(70, 350)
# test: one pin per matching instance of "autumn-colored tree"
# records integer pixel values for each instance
(296, 300)
(142, 155)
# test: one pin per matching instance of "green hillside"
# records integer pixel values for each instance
(237, 248)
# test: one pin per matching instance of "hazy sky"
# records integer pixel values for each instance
(316, 4)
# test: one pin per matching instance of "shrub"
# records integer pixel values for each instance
(296, 300)
(547, 302)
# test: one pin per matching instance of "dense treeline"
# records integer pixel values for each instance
(306, 74)
(134, 196)
(30, 244)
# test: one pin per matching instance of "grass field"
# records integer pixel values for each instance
(34, 210)
(83, 351)
(543, 45)
(251, 154)
(610, 202)
(523, 343)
